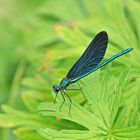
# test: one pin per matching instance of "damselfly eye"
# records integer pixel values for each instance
(55, 88)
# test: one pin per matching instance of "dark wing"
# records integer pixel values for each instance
(90, 58)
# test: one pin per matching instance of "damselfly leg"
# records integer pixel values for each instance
(80, 89)
(55, 98)
(62, 94)
(69, 100)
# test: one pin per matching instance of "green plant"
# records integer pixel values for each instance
(47, 39)
(109, 110)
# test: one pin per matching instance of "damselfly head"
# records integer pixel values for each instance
(55, 89)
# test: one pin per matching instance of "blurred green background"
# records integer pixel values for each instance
(39, 42)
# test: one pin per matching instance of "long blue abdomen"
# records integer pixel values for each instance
(103, 63)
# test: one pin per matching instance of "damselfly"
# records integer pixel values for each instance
(89, 62)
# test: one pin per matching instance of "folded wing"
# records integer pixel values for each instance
(90, 58)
